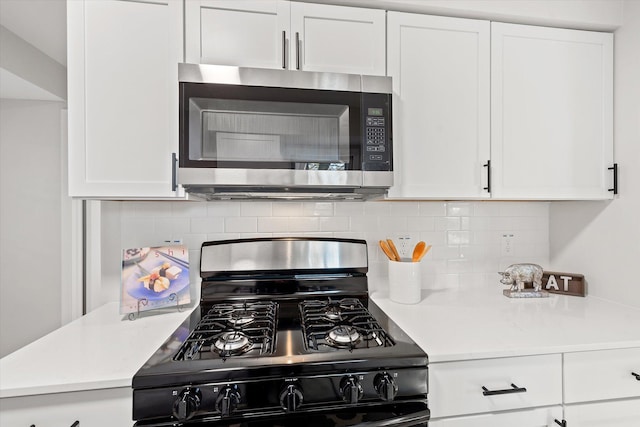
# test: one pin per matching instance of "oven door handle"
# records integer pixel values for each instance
(408, 420)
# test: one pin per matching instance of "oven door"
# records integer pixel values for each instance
(406, 414)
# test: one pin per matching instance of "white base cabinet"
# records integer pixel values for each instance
(617, 413)
(287, 35)
(539, 417)
(123, 97)
(91, 408)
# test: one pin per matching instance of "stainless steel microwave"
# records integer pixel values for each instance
(263, 133)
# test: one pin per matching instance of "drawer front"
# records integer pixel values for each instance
(456, 388)
(618, 413)
(603, 374)
(539, 417)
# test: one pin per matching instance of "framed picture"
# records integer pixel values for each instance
(154, 277)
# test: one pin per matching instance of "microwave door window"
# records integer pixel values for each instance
(276, 134)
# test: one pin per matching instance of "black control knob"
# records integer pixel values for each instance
(351, 389)
(187, 403)
(227, 400)
(291, 398)
(385, 387)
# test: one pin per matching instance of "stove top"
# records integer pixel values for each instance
(271, 343)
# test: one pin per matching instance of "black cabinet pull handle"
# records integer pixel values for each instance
(76, 424)
(297, 51)
(514, 389)
(174, 172)
(488, 166)
(284, 49)
(562, 423)
(636, 375)
(614, 168)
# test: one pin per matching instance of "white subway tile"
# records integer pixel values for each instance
(488, 208)
(287, 209)
(447, 223)
(379, 208)
(421, 223)
(304, 224)
(458, 237)
(153, 209)
(363, 223)
(221, 236)
(255, 209)
(433, 209)
(189, 209)
(334, 223)
(459, 266)
(207, 225)
(241, 225)
(459, 209)
(405, 209)
(349, 208)
(172, 225)
(273, 225)
(317, 209)
(223, 208)
(434, 237)
(391, 224)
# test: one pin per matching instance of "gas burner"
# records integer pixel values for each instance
(232, 343)
(345, 324)
(241, 318)
(343, 336)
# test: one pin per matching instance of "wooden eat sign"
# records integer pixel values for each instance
(562, 283)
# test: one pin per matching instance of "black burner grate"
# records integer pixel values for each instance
(232, 330)
(330, 325)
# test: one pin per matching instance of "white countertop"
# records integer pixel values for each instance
(482, 323)
(102, 349)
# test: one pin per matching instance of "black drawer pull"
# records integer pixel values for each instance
(636, 375)
(514, 389)
(562, 423)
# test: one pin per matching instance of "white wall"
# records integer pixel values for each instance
(602, 239)
(465, 235)
(30, 221)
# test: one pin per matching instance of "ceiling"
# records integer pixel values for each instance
(39, 24)
(42, 23)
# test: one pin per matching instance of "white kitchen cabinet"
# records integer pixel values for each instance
(551, 113)
(440, 70)
(539, 417)
(489, 385)
(90, 408)
(123, 97)
(282, 34)
(243, 33)
(616, 413)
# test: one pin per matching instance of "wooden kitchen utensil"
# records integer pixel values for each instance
(387, 250)
(420, 251)
(393, 249)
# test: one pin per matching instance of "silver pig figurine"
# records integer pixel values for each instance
(516, 275)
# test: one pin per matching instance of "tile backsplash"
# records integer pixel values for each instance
(467, 237)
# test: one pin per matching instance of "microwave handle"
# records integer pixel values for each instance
(174, 172)
(408, 420)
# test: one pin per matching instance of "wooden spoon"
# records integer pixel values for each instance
(420, 251)
(387, 250)
(393, 249)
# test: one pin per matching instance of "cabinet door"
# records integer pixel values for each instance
(337, 39)
(552, 112)
(91, 408)
(123, 97)
(440, 71)
(252, 33)
(540, 417)
(458, 388)
(618, 413)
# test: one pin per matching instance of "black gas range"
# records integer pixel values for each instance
(285, 335)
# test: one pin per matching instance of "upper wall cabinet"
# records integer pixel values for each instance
(440, 70)
(551, 113)
(123, 97)
(282, 34)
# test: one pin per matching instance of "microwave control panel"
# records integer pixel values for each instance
(376, 147)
